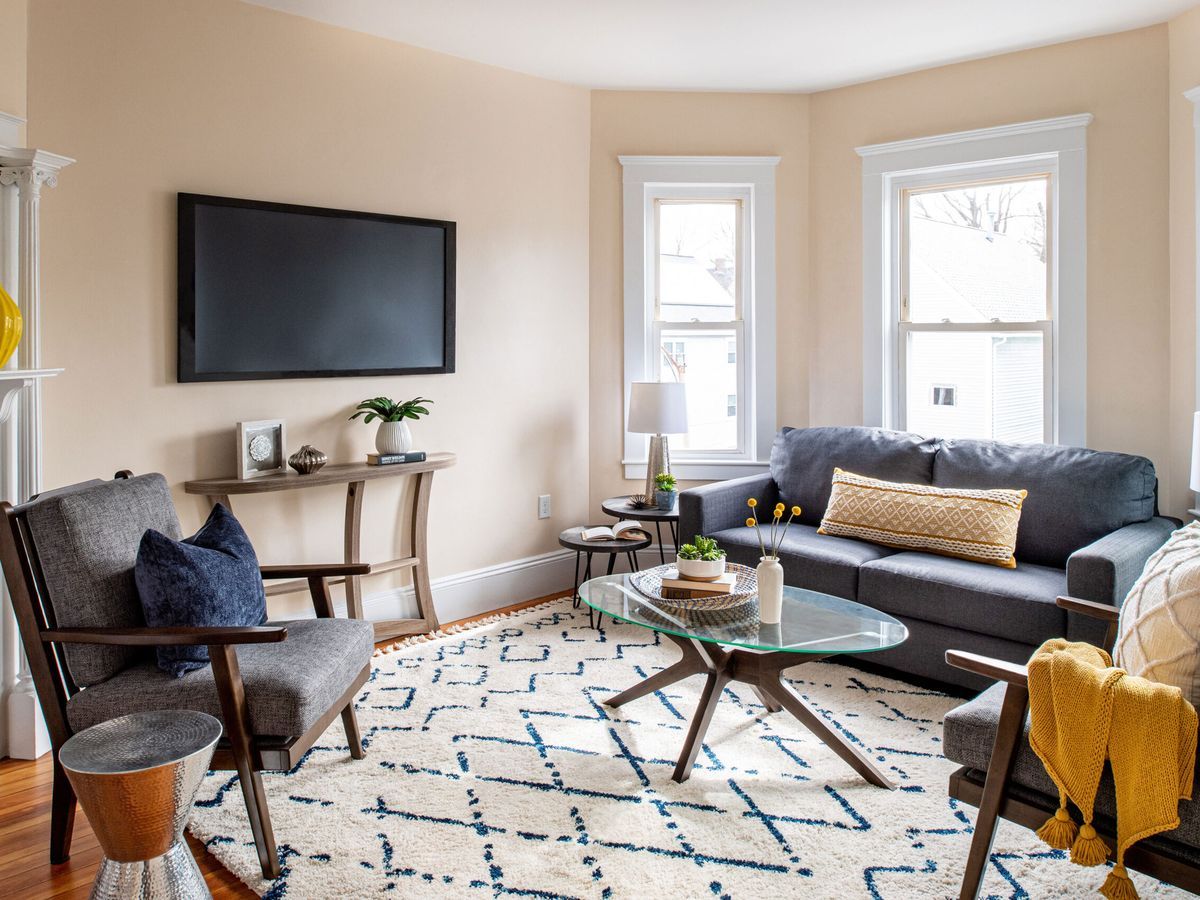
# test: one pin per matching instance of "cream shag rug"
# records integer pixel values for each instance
(493, 769)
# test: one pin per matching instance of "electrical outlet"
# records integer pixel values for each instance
(544, 506)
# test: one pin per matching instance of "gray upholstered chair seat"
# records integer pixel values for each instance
(970, 729)
(289, 685)
(818, 562)
(1016, 604)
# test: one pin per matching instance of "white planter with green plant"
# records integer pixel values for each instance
(701, 560)
(393, 435)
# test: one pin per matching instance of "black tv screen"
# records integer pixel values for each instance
(270, 290)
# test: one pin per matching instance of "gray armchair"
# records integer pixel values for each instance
(68, 558)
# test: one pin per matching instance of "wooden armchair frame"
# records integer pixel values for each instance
(990, 794)
(240, 748)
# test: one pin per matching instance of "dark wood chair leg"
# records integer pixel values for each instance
(62, 816)
(1009, 731)
(353, 735)
(232, 694)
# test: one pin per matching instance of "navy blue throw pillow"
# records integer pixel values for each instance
(209, 579)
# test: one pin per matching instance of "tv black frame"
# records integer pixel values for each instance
(186, 208)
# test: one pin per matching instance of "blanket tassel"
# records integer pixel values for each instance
(1118, 886)
(1088, 850)
(1059, 831)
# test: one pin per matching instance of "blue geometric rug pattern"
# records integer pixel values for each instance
(493, 770)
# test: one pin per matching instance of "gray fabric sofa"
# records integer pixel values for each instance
(1087, 527)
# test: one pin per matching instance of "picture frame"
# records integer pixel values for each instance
(262, 448)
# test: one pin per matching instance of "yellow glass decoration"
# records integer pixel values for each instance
(11, 325)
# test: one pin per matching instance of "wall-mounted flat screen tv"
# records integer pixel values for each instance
(270, 290)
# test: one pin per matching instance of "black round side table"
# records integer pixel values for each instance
(572, 539)
(620, 508)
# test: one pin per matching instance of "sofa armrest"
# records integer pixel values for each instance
(722, 504)
(1105, 570)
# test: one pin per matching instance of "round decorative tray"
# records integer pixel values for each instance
(649, 582)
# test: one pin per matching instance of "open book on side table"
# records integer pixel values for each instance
(625, 530)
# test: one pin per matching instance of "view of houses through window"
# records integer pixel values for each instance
(698, 314)
(975, 313)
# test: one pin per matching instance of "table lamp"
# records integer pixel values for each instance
(657, 408)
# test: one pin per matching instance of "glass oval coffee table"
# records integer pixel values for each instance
(733, 645)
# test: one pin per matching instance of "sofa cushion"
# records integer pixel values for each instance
(967, 735)
(289, 685)
(1015, 604)
(975, 525)
(803, 460)
(209, 579)
(87, 540)
(1076, 496)
(814, 561)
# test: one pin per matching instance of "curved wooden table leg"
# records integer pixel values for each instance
(691, 664)
(420, 542)
(704, 712)
(773, 687)
(352, 541)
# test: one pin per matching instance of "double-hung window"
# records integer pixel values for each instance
(975, 335)
(974, 283)
(699, 304)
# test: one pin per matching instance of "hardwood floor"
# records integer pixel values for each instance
(25, 869)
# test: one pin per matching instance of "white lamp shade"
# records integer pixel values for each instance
(1195, 482)
(657, 407)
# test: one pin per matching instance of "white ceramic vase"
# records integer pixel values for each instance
(770, 590)
(393, 437)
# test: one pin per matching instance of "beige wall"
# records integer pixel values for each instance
(681, 124)
(14, 16)
(1121, 79)
(221, 97)
(1184, 75)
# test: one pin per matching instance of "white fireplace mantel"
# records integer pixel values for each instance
(24, 172)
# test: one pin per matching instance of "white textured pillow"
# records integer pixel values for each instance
(1158, 636)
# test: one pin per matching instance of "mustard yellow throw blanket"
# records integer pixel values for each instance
(1083, 711)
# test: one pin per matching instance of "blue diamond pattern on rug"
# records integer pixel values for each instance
(492, 769)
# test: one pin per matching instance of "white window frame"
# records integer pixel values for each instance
(1057, 146)
(751, 179)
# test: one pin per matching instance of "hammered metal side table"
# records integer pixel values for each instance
(136, 778)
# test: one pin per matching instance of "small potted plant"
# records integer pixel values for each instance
(393, 435)
(701, 560)
(664, 491)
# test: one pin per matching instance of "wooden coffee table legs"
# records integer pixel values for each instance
(764, 673)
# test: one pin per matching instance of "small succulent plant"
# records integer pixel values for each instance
(702, 548)
(664, 481)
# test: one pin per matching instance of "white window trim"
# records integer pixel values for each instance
(1194, 96)
(1061, 143)
(754, 178)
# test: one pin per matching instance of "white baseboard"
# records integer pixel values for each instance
(484, 590)
(479, 590)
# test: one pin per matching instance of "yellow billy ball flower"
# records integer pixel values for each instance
(750, 523)
(795, 510)
(752, 503)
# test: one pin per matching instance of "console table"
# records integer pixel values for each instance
(355, 476)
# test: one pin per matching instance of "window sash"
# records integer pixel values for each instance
(943, 184)
(740, 250)
(1045, 328)
(745, 401)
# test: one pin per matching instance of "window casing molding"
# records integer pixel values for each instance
(1194, 96)
(751, 180)
(1057, 146)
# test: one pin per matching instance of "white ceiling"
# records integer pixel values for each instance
(729, 45)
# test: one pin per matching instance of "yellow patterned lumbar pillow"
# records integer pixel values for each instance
(975, 525)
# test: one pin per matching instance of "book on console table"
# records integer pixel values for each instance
(391, 459)
(676, 588)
